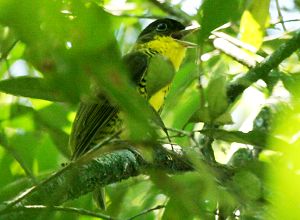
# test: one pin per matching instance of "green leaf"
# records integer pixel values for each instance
(47, 155)
(254, 22)
(31, 87)
(54, 115)
(283, 173)
(247, 185)
(4, 112)
(291, 83)
(18, 109)
(29, 15)
(215, 13)
(9, 190)
(203, 115)
(171, 211)
(89, 38)
(187, 192)
(188, 104)
(60, 139)
(53, 119)
(216, 95)
(61, 45)
(160, 73)
(26, 146)
(183, 98)
(255, 138)
(183, 80)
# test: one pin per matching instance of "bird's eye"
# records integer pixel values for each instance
(162, 27)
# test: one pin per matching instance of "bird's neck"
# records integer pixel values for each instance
(165, 46)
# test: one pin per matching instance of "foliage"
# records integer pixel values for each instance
(53, 53)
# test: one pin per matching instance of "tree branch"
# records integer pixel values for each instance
(262, 69)
(37, 208)
(171, 10)
(147, 211)
(78, 179)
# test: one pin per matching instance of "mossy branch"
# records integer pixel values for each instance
(80, 178)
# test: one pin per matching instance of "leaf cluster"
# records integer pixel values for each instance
(233, 108)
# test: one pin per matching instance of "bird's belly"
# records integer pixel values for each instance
(157, 100)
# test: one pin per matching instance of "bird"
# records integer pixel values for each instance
(96, 121)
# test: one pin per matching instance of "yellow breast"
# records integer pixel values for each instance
(169, 48)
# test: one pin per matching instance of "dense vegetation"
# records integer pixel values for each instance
(233, 109)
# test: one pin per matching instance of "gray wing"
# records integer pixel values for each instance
(136, 64)
(94, 121)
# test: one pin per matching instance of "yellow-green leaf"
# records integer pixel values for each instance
(254, 21)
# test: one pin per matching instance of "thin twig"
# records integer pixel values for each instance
(166, 7)
(285, 21)
(147, 211)
(30, 191)
(141, 16)
(180, 132)
(6, 53)
(280, 15)
(61, 209)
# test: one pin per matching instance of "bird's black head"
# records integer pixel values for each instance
(162, 27)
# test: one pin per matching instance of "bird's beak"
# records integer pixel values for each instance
(179, 35)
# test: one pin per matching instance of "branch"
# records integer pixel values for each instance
(237, 50)
(262, 69)
(78, 179)
(280, 15)
(171, 10)
(10, 48)
(147, 211)
(38, 208)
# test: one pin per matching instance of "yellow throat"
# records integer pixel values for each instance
(167, 47)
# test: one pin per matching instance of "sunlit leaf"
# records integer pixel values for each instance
(284, 173)
(254, 22)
